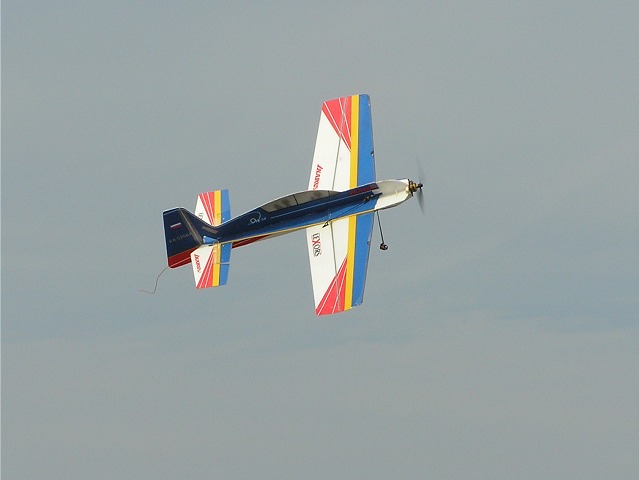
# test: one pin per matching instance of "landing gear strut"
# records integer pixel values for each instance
(382, 246)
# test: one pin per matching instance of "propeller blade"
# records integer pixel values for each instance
(420, 200)
(420, 179)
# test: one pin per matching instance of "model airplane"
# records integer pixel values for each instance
(337, 212)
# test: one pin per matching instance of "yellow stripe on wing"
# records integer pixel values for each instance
(352, 221)
(354, 139)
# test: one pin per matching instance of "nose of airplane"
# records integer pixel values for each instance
(413, 186)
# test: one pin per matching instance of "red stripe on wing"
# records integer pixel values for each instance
(333, 299)
(338, 112)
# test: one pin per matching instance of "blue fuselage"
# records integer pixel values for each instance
(286, 214)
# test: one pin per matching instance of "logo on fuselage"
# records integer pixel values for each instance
(256, 218)
(318, 174)
(317, 245)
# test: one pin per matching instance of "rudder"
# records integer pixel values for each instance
(183, 233)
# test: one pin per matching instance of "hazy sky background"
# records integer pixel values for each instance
(498, 338)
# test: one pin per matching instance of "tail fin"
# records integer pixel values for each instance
(183, 233)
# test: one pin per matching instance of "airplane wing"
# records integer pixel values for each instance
(344, 156)
(343, 159)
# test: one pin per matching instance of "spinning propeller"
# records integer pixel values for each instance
(416, 187)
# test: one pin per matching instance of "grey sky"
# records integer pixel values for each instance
(498, 338)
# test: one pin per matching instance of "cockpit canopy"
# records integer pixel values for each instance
(297, 199)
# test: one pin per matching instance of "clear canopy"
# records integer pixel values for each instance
(297, 199)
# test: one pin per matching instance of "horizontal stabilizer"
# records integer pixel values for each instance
(213, 207)
(211, 265)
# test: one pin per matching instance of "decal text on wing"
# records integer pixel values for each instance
(318, 174)
(317, 245)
